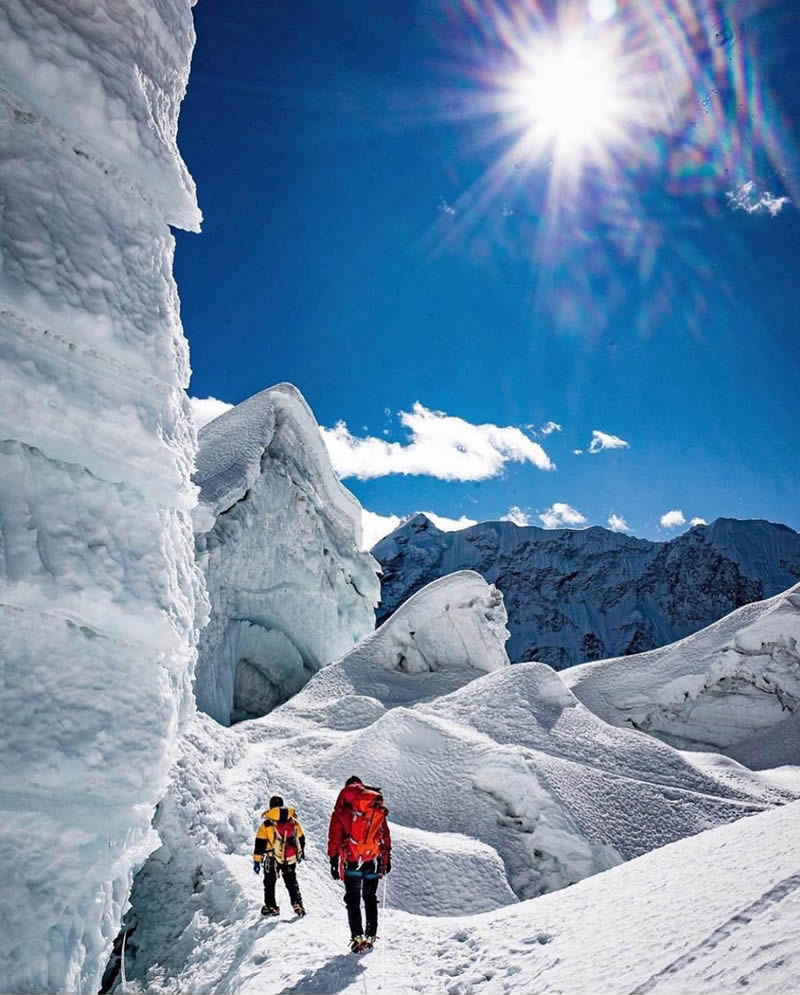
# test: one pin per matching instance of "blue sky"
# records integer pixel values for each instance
(385, 228)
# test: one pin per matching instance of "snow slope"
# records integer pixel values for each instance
(733, 686)
(98, 588)
(577, 595)
(278, 538)
(501, 786)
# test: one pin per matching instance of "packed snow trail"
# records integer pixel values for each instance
(500, 785)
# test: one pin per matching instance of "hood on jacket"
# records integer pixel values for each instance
(274, 814)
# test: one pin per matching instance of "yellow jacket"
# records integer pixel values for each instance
(279, 837)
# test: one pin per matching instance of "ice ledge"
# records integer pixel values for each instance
(277, 421)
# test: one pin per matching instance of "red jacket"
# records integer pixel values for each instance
(341, 819)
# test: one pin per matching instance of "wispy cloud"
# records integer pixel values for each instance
(561, 515)
(618, 524)
(698, 521)
(445, 208)
(747, 198)
(673, 519)
(375, 527)
(206, 409)
(516, 515)
(550, 427)
(603, 440)
(440, 445)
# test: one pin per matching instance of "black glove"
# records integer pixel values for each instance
(256, 867)
(301, 855)
(335, 868)
(386, 863)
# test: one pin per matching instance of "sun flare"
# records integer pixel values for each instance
(570, 96)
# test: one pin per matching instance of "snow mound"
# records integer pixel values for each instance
(734, 683)
(501, 786)
(99, 594)
(278, 538)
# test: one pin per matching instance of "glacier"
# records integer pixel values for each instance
(733, 687)
(278, 539)
(99, 592)
(502, 787)
(574, 595)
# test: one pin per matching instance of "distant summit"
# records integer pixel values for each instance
(577, 595)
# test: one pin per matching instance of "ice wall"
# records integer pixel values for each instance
(98, 589)
(278, 538)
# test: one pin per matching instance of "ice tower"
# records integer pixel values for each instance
(98, 588)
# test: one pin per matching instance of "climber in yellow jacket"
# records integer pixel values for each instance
(280, 845)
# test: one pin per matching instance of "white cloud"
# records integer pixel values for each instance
(440, 445)
(445, 208)
(618, 524)
(560, 515)
(602, 440)
(578, 452)
(550, 427)
(673, 519)
(206, 409)
(449, 524)
(698, 521)
(747, 198)
(375, 527)
(516, 515)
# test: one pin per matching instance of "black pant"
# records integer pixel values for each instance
(289, 872)
(357, 882)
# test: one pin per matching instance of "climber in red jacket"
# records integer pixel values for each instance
(360, 852)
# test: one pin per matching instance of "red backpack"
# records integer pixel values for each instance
(368, 821)
(284, 844)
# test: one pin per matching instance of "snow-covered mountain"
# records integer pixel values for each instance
(501, 786)
(734, 686)
(98, 588)
(278, 539)
(577, 595)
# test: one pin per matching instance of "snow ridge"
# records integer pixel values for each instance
(735, 684)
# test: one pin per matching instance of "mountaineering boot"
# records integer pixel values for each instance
(369, 941)
(270, 910)
(298, 909)
(356, 944)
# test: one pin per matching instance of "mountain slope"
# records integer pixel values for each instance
(577, 595)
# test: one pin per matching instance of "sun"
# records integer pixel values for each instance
(570, 97)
